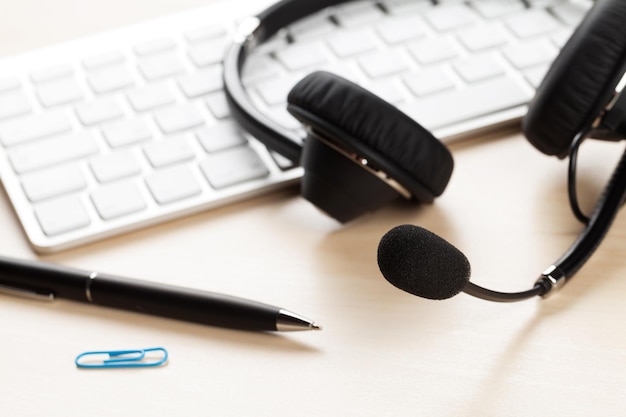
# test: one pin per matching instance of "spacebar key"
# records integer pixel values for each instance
(476, 100)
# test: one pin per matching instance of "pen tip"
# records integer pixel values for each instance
(290, 321)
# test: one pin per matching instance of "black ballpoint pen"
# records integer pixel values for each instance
(53, 281)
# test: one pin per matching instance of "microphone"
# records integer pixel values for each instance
(421, 263)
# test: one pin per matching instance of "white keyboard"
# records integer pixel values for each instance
(129, 128)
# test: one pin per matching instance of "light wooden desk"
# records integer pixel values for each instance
(382, 352)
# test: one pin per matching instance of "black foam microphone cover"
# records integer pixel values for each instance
(421, 263)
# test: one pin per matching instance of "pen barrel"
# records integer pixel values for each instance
(183, 304)
(43, 277)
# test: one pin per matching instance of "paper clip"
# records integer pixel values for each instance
(133, 358)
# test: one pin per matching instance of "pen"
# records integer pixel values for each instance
(50, 281)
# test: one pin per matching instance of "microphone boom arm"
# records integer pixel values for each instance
(502, 297)
(555, 276)
(599, 223)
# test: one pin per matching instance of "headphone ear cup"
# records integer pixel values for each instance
(355, 122)
(581, 80)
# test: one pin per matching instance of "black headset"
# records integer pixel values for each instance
(361, 152)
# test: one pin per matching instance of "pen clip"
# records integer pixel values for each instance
(132, 358)
(42, 294)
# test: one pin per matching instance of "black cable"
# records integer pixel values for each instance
(604, 213)
(571, 179)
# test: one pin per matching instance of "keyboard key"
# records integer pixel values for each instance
(158, 66)
(98, 111)
(381, 64)
(259, 67)
(498, 8)
(313, 26)
(169, 151)
(209, 52)
(53, 182)
(176, 118)
(447, 2)
(202, 82)
(14, 104)
(404, 7)
(173, 184)
(9, 83)
(401, 29)
(126, 132)
(59, 92)
(33, 127)
(546, 3)
(479, 67)
(359, 13)
(561, 36)
(51, 151)
(434, 50)
(477, 38)
(115, 165)
(218, 137)
(205, 32)
(150, 97)
(345, 69)
(283, 118)
(528, 54)
(233, 166)
(532, 23)
(387, 89)
(429, 81)
(299, 56)
(449, 17)
(274, 44)
(110, 78)
(51, 73)
(275, 91)
(154, 46)
(535, 75)
(571, 13)
(61, 215)
(476, 100)
(349, 43)
(218, 105)
(117, 199)
(103, 60)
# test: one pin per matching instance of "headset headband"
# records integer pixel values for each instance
(250, 33)
(286, 12)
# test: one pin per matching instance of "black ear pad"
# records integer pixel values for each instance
(358, 121)
(581, 80)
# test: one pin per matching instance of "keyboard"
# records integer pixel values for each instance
(129, 128)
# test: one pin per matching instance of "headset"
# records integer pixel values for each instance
(361, 152)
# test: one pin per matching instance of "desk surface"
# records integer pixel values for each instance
(382, 352)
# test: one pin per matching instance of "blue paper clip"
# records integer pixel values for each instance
(133, 358)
